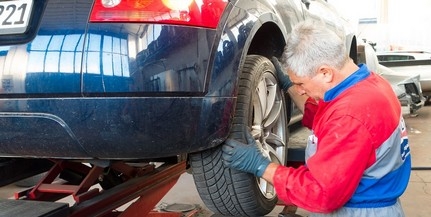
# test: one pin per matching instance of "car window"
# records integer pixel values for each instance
(395, 57)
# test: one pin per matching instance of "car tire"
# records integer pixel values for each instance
(261, 108)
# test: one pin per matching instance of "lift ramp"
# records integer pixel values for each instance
(9, 208)
(143, 187)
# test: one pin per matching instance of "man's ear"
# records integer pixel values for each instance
(327, 73)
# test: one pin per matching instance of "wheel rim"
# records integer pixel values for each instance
(268, 125)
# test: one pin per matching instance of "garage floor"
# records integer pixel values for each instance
(416, 200)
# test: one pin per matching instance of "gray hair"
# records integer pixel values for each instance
(311, 45)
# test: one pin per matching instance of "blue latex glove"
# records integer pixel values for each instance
(244, 157)
(283, 78)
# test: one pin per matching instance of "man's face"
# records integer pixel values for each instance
(312, 86)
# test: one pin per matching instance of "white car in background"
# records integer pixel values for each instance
(423, 70)
(406, 86)
(409, 63)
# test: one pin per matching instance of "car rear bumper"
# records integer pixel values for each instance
(113, 128)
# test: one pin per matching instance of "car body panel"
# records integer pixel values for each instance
(80, 90)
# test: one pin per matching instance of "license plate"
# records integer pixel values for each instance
(14, 16)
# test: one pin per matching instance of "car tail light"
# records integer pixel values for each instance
(202, 13)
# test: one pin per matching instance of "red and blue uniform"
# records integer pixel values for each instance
(357, 158)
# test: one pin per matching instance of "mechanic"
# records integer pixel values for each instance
(358, 157)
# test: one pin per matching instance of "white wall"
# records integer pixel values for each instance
(400, 24)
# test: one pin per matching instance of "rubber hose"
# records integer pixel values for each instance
(421, 168)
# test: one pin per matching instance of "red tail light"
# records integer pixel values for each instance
(202, 13)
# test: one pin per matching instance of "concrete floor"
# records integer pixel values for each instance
(416, 200)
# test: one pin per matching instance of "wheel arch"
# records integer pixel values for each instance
(268, 41)
(353, 48)
(242, 34)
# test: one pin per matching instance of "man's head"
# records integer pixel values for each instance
(314, 57)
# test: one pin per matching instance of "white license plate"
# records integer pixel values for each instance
(14, 16)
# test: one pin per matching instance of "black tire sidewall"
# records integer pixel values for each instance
(239, 191)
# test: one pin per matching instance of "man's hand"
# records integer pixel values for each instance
(244, 157)
(282, 76)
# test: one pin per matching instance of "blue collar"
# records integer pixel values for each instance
(354, 78)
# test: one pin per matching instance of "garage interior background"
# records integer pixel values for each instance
(392, 24)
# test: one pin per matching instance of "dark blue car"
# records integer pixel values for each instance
(137, 80)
